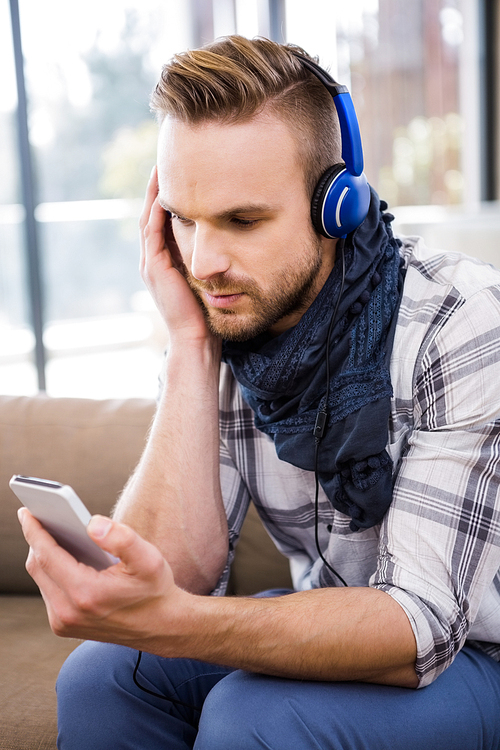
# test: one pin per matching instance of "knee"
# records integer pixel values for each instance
(246, 711)
(89, 676)
(76, 670)
(225, 719)
(87, 683)
(88, 669)
(251, 711)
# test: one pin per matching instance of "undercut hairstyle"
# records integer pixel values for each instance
(234, 79)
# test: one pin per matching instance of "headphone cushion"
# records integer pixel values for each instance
(320, 193)
(340, 203)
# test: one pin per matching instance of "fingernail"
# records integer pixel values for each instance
(99, 526)
(152, 172)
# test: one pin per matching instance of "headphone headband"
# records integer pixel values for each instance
(352, 150)
(342, 198)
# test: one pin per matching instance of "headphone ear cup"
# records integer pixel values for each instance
(340, 202)
(318, 198)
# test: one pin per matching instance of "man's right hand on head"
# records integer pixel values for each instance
(162, 271)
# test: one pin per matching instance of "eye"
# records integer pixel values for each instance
(244, 223)
(181, 219)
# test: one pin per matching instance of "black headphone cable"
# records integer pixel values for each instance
(159, 695)
(322, 418)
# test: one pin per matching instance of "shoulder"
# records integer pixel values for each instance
(440, 289)
(430, 273)
(448, 330)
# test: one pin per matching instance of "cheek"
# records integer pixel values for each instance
(287, 247)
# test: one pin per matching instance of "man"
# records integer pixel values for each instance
(305, 324)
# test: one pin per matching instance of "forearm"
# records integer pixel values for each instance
(324, 634)
(173, 499)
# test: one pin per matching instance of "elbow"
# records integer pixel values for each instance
(405, 677)
(201, 575)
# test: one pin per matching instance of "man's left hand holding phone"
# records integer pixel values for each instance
(112, 592)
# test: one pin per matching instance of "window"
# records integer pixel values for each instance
(403, 63)
(93, 143)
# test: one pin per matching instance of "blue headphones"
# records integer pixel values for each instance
(342, 196)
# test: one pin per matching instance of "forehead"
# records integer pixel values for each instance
(212, 162)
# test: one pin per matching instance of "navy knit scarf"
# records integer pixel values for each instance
(283, 379)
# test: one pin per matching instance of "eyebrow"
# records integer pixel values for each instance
(249, 208)
(164, 205)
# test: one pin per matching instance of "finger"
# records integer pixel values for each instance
(46, 557)
(135, 553)
(153, 241)
(159, 256)
(156, 216)
(151, 196)
(159, 237)
(34, 533)
(173, 247)
(55, 599)
(157, 224)
(151, 193)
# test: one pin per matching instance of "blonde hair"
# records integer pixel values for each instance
(233, 79)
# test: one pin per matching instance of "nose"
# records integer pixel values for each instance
(209, 257)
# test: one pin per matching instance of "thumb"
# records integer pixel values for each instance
(121, 541)
(98, 528)
(115, 538)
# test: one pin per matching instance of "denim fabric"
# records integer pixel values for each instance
(100, 707)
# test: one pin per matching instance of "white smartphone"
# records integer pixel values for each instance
(63, 515)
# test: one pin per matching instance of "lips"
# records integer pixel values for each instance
(222, 300)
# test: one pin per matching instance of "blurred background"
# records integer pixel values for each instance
(77, 144)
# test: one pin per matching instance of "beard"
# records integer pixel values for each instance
(291, 292)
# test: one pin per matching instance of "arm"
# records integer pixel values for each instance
(325, 634)
(174, 496)
(440, 542)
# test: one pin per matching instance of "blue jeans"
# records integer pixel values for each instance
(101, 708)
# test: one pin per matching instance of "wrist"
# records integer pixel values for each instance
(205, 350)
(183, 632)
(188, 362)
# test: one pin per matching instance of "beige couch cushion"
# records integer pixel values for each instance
(257, 564)
(31, 658)
(92, 445)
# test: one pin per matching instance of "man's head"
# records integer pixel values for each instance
(245, 133)
(233, 79)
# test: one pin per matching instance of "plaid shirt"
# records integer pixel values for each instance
(437, 551)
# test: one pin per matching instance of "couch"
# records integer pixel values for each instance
(94, 446)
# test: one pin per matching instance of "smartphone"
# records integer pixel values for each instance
(63, 515)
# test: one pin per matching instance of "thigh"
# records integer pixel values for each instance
(100, 706)
(461, 709)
